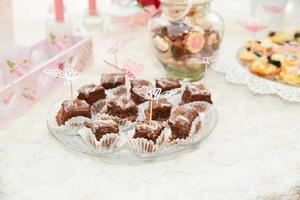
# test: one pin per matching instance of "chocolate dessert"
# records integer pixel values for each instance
(120, 91)
(72, 108)
(122, 107)
(167, 84)
(150, 132)
(113, 80)
(91, 93)
(181, 121)
(103, 125)
(196, 92)
(136, 96)
(161, 110)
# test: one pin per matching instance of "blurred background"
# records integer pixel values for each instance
(30, 15)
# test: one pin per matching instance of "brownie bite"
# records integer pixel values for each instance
(196, 92)
(122, 107)
(103, 125)
(167, 84)
(72, 108)
(91, 93)
(113, 80)
(161, 110)
(136, 96)
(150, 132)
(181, 121)
(120, 91)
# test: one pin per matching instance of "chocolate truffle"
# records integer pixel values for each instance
(113, 80)
(196, 92)
(91, 93)
(136, 96)
(167, 84)
(161, 110)
(181, 121)
(122, 107)
(103, 125)
(150, 132)
(72, 108)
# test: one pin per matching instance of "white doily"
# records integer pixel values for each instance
(228, 64)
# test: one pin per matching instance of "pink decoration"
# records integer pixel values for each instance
(19, 95)
(273, 8)
(252, 27)
(59, 10)
(92, 7)
(196, 42)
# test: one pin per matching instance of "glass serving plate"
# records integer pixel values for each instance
(75, 142)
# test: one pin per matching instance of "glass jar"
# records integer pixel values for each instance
(186, 37)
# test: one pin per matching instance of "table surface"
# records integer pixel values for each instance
(254, 150)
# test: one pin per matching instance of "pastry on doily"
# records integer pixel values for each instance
(248, 56)
(279, 37)
(266, 67)
(290, 72)
(91, 93)
(297, 36)
(73, 108)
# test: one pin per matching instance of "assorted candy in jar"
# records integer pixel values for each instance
(186, 37)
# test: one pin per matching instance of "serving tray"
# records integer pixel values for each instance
(124, 154)
(228, 64)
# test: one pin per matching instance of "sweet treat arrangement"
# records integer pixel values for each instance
(108, 121)
(183, 43)
(275, 58)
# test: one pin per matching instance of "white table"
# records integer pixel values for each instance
(254, 150)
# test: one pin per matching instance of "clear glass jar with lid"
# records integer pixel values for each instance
(186, 37)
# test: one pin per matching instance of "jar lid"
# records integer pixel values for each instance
(185, 2)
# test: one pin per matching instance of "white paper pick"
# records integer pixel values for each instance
(68, 74)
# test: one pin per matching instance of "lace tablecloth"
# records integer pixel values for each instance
(252, 154)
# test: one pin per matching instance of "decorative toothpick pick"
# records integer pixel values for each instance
(152, 94)
(114, 50)
(67, 74)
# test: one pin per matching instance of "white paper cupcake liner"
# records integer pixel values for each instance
(196, 127)
(109, 143)
(123, 123)
(146, 148)
(194, 136)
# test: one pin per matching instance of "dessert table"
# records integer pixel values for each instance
(252, 154)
